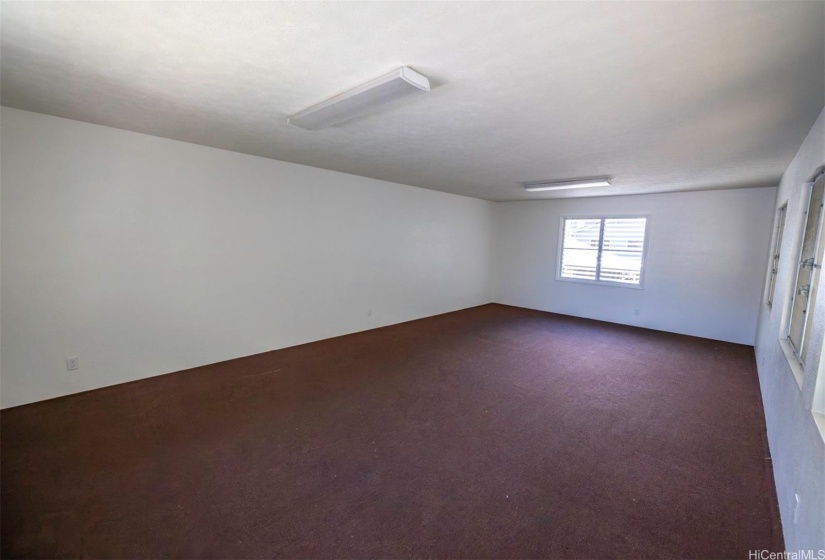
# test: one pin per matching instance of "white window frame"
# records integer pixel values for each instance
(773, 268)
(645, 248)
(800, 353)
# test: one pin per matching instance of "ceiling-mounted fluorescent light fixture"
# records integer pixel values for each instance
(571, 184)
(380, 91)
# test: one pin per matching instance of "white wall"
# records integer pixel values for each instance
(797, 448)
(705, 261)
(143, 256)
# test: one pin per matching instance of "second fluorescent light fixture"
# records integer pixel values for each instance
(570, 184)
(396, 85)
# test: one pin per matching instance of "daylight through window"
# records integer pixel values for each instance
(605, 250)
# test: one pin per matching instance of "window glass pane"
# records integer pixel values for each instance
(625, 234)
(777, 246)
(621, 266)
(579, 263)
(582, 234)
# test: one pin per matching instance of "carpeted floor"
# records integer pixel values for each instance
(493, 432)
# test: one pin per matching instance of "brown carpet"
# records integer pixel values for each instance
(489, 432)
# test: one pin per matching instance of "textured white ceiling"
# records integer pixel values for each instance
(662, 96)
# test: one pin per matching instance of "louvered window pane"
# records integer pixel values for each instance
(579, 263)
(777, 246)
(582, 234)
(620, 266)
(624, 234)
(580, 254)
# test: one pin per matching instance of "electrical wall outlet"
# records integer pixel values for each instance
(71, 363)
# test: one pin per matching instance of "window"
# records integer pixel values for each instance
(777, 246)
(604, 250)
(810, 262)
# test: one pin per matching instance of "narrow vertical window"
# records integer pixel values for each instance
(603, 250)
(777, 247)
(810, 262)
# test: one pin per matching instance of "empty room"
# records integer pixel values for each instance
(448, 280)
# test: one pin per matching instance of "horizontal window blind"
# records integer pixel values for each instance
(603, 249)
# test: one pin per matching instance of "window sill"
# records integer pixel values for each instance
(601, 283)
(796, 367)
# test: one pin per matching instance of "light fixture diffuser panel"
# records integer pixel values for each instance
(568, 184)
(396, 85)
